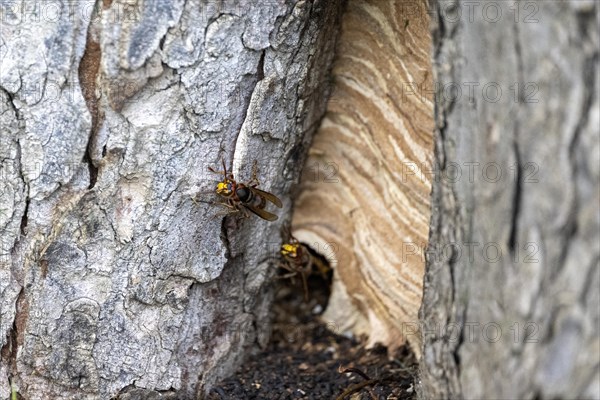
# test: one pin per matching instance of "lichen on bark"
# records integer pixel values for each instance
(126, 284)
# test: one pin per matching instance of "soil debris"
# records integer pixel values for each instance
(306, 360)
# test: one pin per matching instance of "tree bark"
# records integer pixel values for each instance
(510, 306)
(112, 281)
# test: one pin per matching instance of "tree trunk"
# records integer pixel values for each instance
(112, 281)
(510, 306)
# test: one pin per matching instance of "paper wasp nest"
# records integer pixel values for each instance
(365, 192)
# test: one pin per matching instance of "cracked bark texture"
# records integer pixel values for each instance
(542, 214)
(112, 281)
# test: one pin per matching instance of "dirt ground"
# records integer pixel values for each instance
(304, 358)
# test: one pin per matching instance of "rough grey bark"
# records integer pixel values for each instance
(112, 281)
(525, 324)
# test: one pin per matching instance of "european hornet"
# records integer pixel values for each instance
(244, 197)
(300, 260)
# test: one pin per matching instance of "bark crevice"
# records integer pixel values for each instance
(115, 252)
(538, 292)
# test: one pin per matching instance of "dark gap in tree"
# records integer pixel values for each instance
(92, 169)
(310, 358)
(260, 69)
(291, 291)
(516, 207)
(24, 218)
